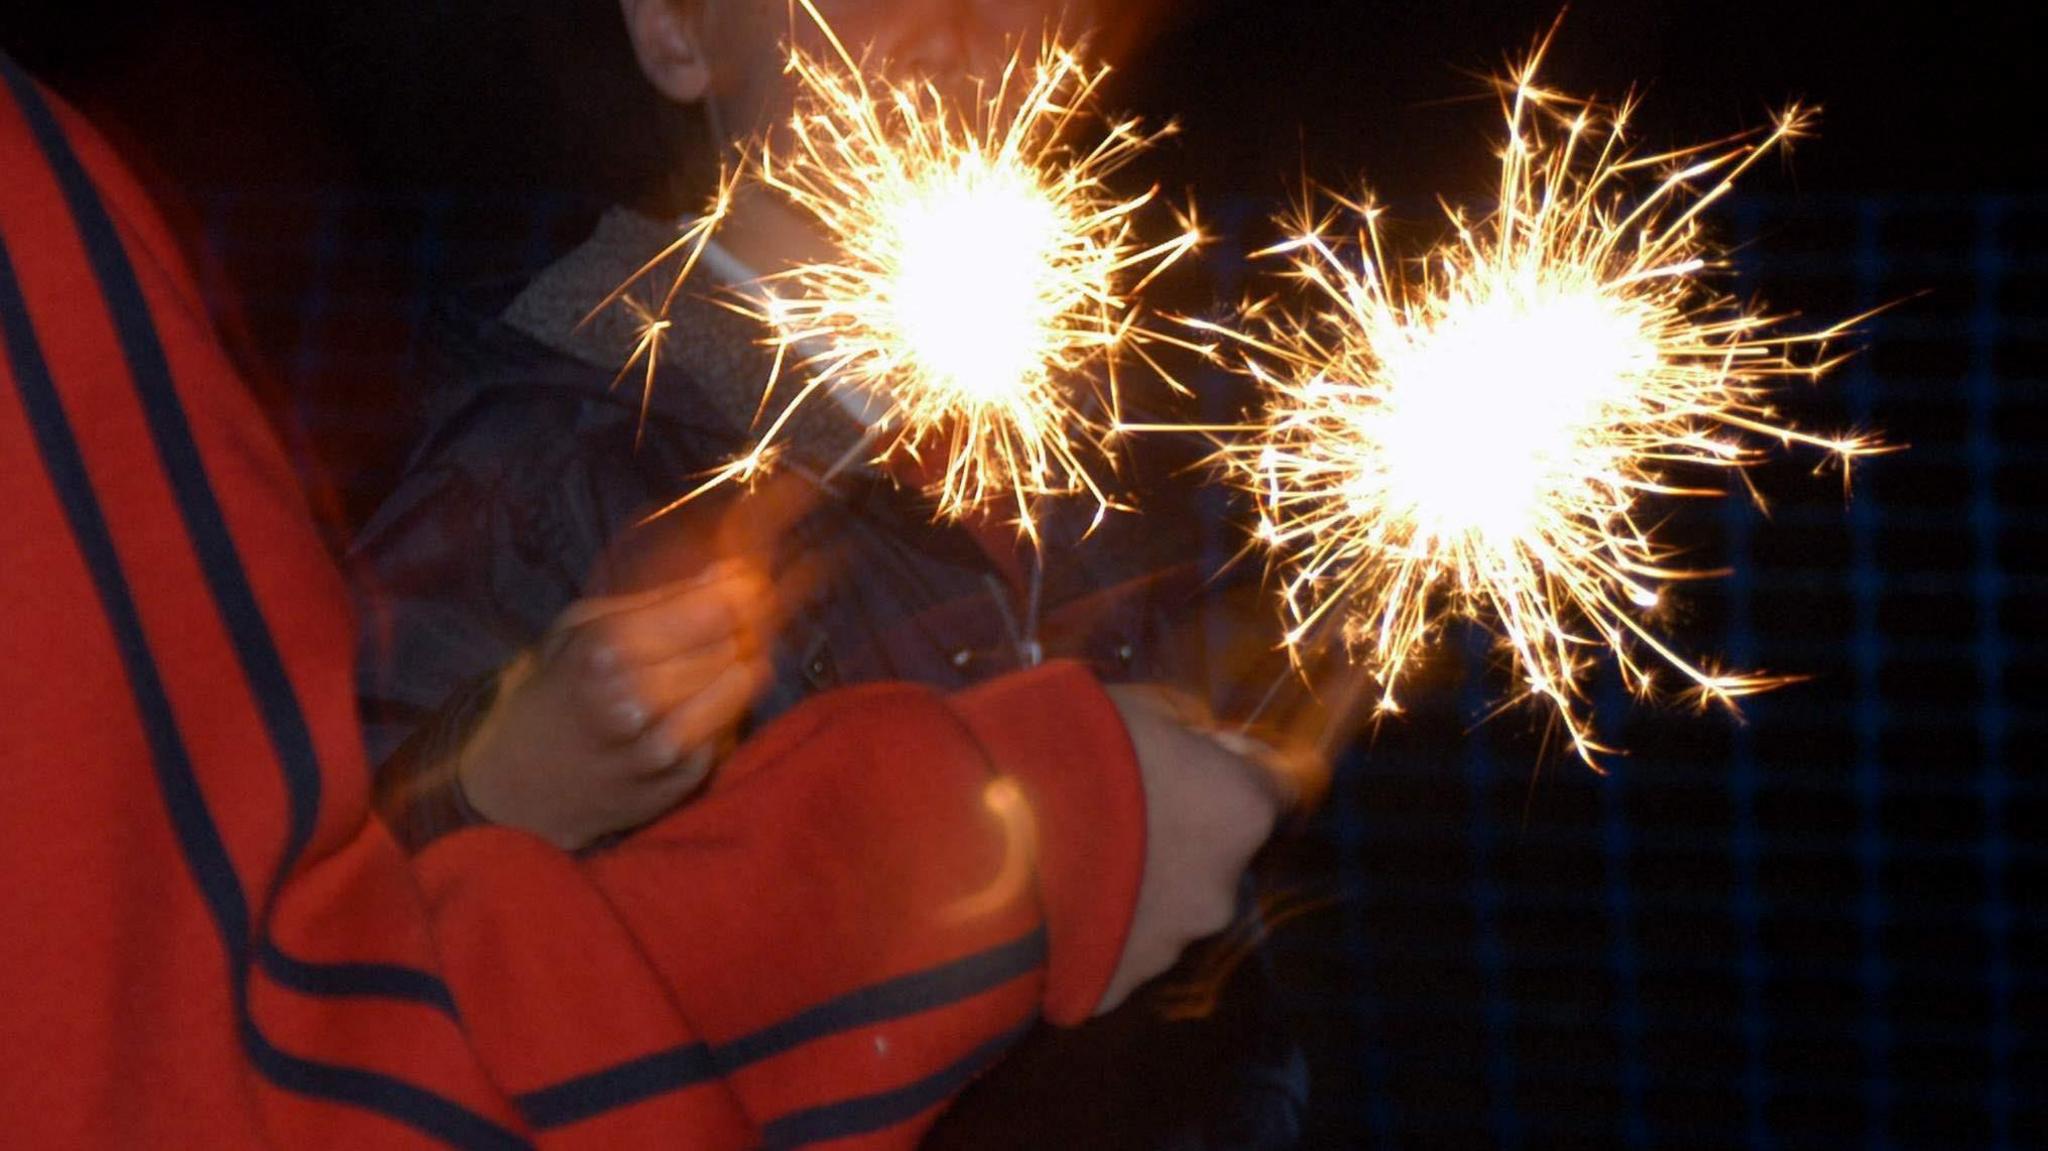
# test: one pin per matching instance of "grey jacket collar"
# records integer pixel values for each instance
(723, 364)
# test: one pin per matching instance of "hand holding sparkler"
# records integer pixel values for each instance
(620, 715)
(1212, 799)
(640, 686)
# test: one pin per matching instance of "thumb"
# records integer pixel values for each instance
(1293, 777)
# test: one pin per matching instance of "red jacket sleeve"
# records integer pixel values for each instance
(839, 936)
(211, 942)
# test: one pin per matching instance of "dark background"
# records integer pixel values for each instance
(1824, 927)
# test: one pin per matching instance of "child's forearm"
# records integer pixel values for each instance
(834, 939)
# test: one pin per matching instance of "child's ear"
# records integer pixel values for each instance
(667, 43)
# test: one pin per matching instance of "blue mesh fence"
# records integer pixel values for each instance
(1823, 926)
(1820, 927)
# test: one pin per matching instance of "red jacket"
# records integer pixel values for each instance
(211, 944)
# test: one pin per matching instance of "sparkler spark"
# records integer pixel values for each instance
(652, 320)
(984, 278)
(1491, 437)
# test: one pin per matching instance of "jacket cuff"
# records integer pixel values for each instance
(417, 791)
(1055, 731)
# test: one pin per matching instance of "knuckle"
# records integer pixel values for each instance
(1262, 816)
(680, 735)
(690, 727)
(656, 750)
(1155, 960)
(709, 608)
(1217, 914)
(609, 633)
(678, 781)
(643, 687)
(620, 716)
(575, 651)
(693, 770)
(716, 706)
(723, 654)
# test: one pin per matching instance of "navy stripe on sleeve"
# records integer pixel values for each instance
(263, 667)
(905, 995)
(888, 1108)
(198, 835)
(634, 1081)
(184, 470)
(687, 1066)
(205, 854)
(374, 980)
(381, 1094)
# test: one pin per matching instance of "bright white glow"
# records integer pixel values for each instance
(1498, 409)
(1490, 431)
(980, 300)
(976, 288)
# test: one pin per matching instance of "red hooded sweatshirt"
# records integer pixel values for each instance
(211, 944)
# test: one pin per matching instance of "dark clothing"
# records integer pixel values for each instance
(525, 493)
(528, 491)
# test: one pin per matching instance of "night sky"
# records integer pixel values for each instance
(516, 91)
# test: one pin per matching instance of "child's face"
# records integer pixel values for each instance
(946, 41)
(728, 57)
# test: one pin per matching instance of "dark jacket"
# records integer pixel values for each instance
(528, 489)
(529, 485)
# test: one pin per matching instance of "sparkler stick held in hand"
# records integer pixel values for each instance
(982, 288)
(1493, 435)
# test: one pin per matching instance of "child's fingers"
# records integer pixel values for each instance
(1293, 772)
(702, 718)
(619, 706)
(757, 525)
(670, 787)
(1292, 775)
(695, 618)
(592, 608)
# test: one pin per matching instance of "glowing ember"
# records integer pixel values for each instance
(1489, 438)
(983, 279)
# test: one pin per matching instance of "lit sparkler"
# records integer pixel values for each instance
(1491, 437)
(984, 280)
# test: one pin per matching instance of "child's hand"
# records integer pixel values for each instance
(1211, 799)
(623, 711)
